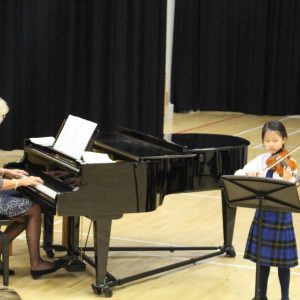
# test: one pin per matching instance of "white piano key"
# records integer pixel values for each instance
(46, 190)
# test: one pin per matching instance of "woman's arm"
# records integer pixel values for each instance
(13, 173)
(8, 184)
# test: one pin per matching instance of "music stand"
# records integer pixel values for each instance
(262, 193)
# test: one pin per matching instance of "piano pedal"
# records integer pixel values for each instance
(49, 253)
(75, 265)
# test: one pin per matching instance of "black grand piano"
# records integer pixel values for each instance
(147, 169)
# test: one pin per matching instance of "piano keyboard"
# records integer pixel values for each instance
(46, 190)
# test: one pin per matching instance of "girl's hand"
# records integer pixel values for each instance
(252, 173)
(287, 174)
(15, 173)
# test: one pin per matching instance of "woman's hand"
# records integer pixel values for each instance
(30, 180)
(14, 173)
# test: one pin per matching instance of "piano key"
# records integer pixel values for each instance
(46, 190)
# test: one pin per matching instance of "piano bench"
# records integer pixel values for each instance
(4, 240)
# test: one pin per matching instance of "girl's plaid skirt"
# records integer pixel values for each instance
(278, 243)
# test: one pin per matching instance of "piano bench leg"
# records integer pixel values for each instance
(5, 256)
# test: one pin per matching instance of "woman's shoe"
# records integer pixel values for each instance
(58, 264)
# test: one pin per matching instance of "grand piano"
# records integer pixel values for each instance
(146, 169)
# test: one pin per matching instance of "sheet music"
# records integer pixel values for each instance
(43, 141)
(95, 157)
(74, 137)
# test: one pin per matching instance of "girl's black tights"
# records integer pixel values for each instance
(284, 279)
(263, 281)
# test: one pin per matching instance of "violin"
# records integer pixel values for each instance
(279, 161)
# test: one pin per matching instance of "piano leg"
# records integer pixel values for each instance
(229, 214)
(102, 229)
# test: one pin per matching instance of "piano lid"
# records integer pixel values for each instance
(201, 141)
(138, 146)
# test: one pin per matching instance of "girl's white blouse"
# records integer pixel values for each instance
(259, 164)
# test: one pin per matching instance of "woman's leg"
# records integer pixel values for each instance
(31, 221)
(33, 233)
(284, 279)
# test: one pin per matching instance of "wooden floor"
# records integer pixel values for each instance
(183, 219)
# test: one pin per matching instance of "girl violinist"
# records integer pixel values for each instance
(278, 243)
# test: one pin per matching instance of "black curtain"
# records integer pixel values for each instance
(237, 55)
(102, 60)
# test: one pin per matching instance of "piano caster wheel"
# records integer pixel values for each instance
(230, 252)
(106, 291)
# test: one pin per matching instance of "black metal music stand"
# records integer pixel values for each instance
(262, 193)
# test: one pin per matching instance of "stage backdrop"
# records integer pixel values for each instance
(237, 55)
(96, 59)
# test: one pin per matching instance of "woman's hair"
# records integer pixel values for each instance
(274, 126)
(9, 294)
(3, 107)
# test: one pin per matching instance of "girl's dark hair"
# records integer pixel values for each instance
(275, 126)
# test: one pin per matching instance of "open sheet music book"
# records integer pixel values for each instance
(73, 140)
(74, 136)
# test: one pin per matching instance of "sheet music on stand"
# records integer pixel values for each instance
(74, 136)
